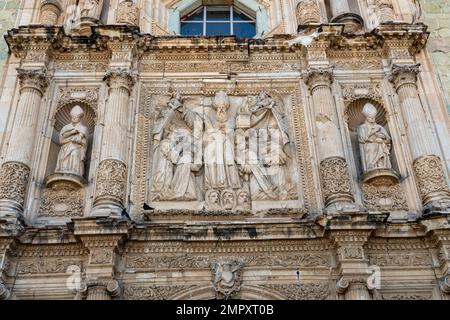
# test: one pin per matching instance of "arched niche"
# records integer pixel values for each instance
(354, 118)
(60, 119)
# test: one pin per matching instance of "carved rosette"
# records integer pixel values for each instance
(119, 79)
(318, 78)
(50, 12)
(404, 75)
(385, 11)
(430, 178)
(308, 11)
(127, 13)
(14, 181)
(336, 182)
(111, 181)
(32, 79)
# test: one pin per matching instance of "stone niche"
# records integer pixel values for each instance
(221, 152)
(375, 158)
(346, 12)
(64, 193)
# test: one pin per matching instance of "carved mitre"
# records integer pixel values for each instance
(221, 99)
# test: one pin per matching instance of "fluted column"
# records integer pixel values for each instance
(428, 166)
(112, 171)
(335, 177)
(15, 171)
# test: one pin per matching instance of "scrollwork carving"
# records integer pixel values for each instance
(336, 182)
(14, 181)
(430, 178)
(127, 13)
(304, 291)
(111, 180)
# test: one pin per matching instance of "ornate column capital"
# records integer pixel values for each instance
(35, 79)
(308, 11)
(319, 77)
(120, 78)
(404, 74)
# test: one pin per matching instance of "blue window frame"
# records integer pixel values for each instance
(218, 21)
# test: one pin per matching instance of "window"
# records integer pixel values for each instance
(218, 21)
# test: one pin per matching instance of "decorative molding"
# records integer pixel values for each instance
(303, 291)
(137, 292)
(401, 259)
(186, 261)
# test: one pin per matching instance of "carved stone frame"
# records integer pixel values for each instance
(144, 122)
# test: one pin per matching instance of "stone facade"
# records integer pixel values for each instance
(311, 163)
(435, 15)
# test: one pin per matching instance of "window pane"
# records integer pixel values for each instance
(218, 29)
(244, 30)
(238, 16)
(191, 29)
(196, 16)
(218, 13)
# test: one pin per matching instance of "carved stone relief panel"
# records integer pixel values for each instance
(218, 151)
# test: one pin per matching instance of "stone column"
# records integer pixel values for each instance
(112, 171)
(102, 290)
(308, 11)
(428, 166)
(335, 177)
(15, 171)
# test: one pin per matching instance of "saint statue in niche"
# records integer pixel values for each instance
(374, 142)
(73, 138)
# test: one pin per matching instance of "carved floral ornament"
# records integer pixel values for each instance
(404, 74)
(335, 178)
(321, 77)
(308, 11)
(14, 181)
(119, 79)
(111, 180)
(430, 177)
